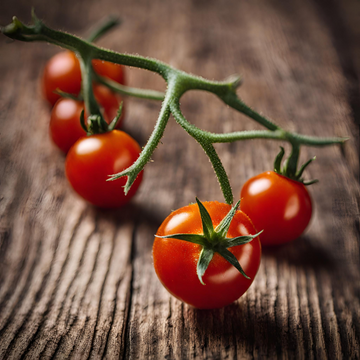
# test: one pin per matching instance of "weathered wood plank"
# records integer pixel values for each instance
(292, 73)
(76, 282)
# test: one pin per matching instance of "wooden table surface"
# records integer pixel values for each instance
(78, 282)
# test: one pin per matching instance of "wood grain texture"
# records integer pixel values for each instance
(78, 282)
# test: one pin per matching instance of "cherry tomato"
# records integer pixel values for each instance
(63, 72)
(278, 205)
(65, 128)
(92, 159)
(110, 70)
(175, 261)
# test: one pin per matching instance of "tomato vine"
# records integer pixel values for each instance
(178, 82)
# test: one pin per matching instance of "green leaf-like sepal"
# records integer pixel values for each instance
(310, 182)
(95, 125)
(207, 224)
(303, 167)
(223, 228)
(230, 257)
(278, 159)
(289, 168)
(82, 121)
(204, 260)
(214, 241)
(241, 240)
(193, 238)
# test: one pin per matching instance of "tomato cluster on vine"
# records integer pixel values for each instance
(205, 254)
(90, 159)
(192, 258)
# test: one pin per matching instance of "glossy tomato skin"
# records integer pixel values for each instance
(175, 261)
(63, 72)
(65, 127)
(110, 70)
(278, 205)
(92, 159)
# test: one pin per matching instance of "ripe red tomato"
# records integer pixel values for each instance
(65, 128)
(110, 70)
(63, 72)
(278, 205)
(175, 261)
(92, 159)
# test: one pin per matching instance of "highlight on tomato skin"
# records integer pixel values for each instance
(63, 72)
(175, 261)
(65, 128)
(278, 205)
(92, 159)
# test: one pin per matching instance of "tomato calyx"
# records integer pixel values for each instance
(214, 240)
(97, 125)
(286, 169)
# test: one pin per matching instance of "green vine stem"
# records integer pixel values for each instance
(208, 148)
(103, 28)
(145, 156)
(178, 83)
(91, 105)
(129, 91)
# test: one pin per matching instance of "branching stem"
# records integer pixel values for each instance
(178, 83)
(129, 91)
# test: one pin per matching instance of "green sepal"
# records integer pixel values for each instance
(82, 121)
(214, 241)
(96, 125)
(204, 260)
(278, 159)
(223, 228)
(114, 122)
(301, 170)
(241, 240)
(289, 168)
(207, 224)
(310, 182)
(193, 238)
(230, 257)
